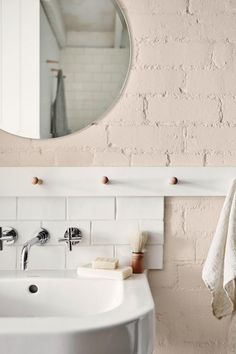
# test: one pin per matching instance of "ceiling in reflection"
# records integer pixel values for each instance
(88, 15)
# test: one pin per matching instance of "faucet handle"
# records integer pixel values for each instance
(72, 237)
(8, 235)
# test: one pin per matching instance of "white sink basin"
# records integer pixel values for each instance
(65, 297)
(73, 315)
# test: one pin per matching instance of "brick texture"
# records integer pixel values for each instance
(178, 109)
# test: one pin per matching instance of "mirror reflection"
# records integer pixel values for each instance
(84, 60)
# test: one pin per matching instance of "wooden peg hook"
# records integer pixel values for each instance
(36, 180)
(105, 180)
(173, 181)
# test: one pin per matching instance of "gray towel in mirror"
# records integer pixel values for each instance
(59, 124)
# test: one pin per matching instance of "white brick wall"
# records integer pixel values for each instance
(98, 219)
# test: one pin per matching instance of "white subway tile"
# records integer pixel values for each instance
(83, 95)
(100, 96)
(108, 51)
(44, 257)
(155, 230)
(90, 68)
(39, 208)
(84, 77)
(102, 59)
(83, 255)
(113, 232)
(124, 254)
(91, 208)
(140, 208)
(71, 95)
(90, 104)
(57, 230)
(102, 77)
(111, 86)
(84, 59)
(122, 58)
(75, 105)
(113, 68)
(91, 86)
(68, 59)
(25, 229)
(8, 258)
(7, 208)
(71, 68)
(116, 77)
(154, 257)
(74, 86)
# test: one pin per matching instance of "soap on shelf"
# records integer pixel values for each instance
(105, 263)
(117, 274)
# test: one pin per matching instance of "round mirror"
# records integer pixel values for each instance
(82, 66)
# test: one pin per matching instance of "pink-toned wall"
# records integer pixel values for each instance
(179, 109)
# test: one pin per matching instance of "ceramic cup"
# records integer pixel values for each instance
(138, 263)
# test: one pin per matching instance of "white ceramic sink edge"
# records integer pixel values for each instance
(122, 313)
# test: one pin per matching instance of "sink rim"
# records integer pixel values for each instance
(73, 296)
(137, 302)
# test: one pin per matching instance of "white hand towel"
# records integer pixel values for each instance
(219, 271)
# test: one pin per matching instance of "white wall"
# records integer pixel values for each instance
(49, 50)
(94, 77)
(19, 73)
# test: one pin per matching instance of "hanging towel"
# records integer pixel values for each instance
(219, 271)
(59, 126)
(231, 340)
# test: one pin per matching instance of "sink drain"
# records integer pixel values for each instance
(33, 289)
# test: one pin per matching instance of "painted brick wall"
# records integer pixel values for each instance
(179, 109)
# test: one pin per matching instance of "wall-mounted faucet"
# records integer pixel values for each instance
(8, 235)
(42, 236)
(72, 237)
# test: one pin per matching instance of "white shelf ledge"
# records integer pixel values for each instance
(124, 181)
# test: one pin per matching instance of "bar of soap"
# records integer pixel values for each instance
(105, 263)
(117, 274)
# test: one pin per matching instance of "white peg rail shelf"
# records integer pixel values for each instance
(115, 181)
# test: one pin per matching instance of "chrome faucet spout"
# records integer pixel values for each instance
(25, 252)
(41, 238)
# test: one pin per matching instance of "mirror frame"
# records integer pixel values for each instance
(123, 12)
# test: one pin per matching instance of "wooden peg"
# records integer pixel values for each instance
(105, 180)
(37, 180)
(173, 181)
